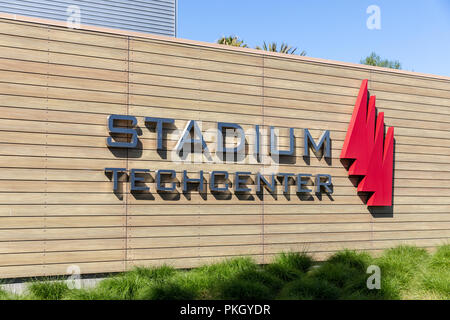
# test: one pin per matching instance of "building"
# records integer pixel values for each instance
(82, 109)
(149, 16)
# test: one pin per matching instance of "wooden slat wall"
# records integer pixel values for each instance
(57, 207)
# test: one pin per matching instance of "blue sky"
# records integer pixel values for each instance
(415, 32)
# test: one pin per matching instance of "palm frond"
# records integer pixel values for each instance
(284, 48)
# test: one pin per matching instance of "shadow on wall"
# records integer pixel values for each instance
(386, 212)
(376, 212)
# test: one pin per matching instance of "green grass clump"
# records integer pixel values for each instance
(260, 276)
(4, 295)
(353, 259)
(204, 282)
(127, 285)
(346, 271)
(236, 289)
(441, 258)
(282, 272)
(124, 286)
(90, 294)
(400, 268)
(436, 278)
(209, 279)
(265, 282)
(289, 266)
(309, 288)
(295, 260)
(48, 290)
(250, 285)
(156, 273)
(227, 268)
(170, 290)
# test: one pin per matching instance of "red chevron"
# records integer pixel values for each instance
(373, 155)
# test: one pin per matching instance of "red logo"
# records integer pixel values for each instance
(373, 154)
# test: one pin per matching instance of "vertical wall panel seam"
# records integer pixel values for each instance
(127, 185)
(264, 122)
(46, 151)
(197, 80)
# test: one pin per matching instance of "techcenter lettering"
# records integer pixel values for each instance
(371, 152)
(191, 140)
(322, 181)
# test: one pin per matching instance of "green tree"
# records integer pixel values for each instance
(375, 60)
(232, 41)
(284, 48)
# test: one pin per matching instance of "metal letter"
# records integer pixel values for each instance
(133, 179)
(191, 180)
(286, 180)
(186, 139)
(112, 129)
(324, 139)
(114, 175)
(159, 128)
(238, 181)
(301, 183)
(327, 185)
(260, 177)
(274, 145)
(212, 183)
(220, 138)
(159, 187)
